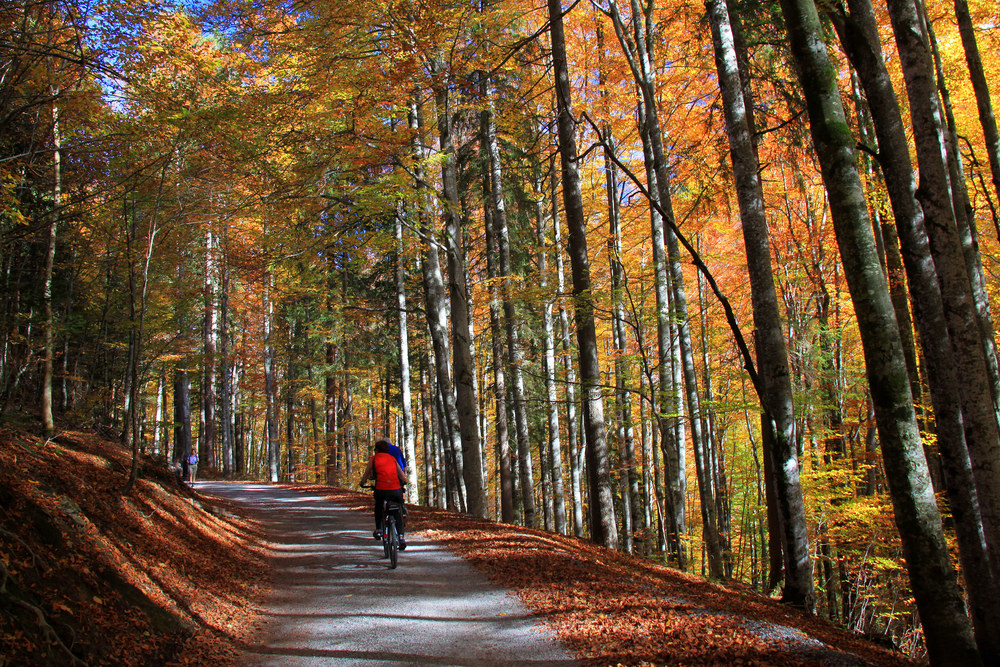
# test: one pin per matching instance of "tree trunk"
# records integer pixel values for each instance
(182, 416)
(572, 432)
(549, 362)
(404, 360)
(604, 529)
(270, 388)
(48, 422)
(965, 219)
(623, 414)
(935, 194)
(514, 354)
(158, 414)
(292, 447)
(437, 322)
(947, 630)
(772, 355)
(639, 52)
(206, 454)
(982, 90)
(667, 407)
(497, 335)
(225, 367)
(331, 390)
(859, 34)
(464, 378)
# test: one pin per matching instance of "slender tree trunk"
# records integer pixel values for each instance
(623, 403)
(225, 366)
(981, 88)
(668, 408)
(464, 373)
(158, 414)
(292, 449)
(437, 322)
(638, 48)
(331, 390)
(549, 362)
(207, 454)
(514, 353)
(499, 237)
(330, 427)
(404, 360)
(946, 626)
(604, 529)
(270, 387)
(572, 432)
(239, 435)
(182, 416)
(623, 399)
(138, 306)
(131, 379)
(428, 414)
(497, 337)
(714, 439)
(48, 422)
(772, 355)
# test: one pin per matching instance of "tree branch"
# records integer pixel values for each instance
(696, 259)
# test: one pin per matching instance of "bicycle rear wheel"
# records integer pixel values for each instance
(392, 543)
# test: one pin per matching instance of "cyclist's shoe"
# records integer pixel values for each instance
(377, 535)
(402, 544)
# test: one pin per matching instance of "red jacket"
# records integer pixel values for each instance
(384, 467)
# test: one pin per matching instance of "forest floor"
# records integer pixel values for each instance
(163, 576)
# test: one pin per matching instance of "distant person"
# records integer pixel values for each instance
(192, 466)
(389, 478)
(396, 452)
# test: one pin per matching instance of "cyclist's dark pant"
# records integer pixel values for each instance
(380, 498)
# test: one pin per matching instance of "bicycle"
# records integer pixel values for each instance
(392, 513)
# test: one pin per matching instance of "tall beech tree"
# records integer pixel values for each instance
(955, 266)
(772, 356)
(501, 237)
(981, 87)
(437, 322)
(461, 307)
(946, 625)
(636, 39)
(604, 527)
(406, 400)
(858, 32)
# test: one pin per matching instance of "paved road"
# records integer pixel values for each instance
(336, 602)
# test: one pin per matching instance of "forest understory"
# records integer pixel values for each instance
(163, 576)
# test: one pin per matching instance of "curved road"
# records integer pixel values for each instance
(336, 602)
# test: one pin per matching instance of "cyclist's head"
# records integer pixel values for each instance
(382, 446)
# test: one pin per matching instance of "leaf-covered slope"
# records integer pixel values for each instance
(90, 576)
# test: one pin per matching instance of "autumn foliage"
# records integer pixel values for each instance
(216, 218)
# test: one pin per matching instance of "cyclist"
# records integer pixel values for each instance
(389, 480)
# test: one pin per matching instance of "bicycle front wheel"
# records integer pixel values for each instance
(392, 543)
